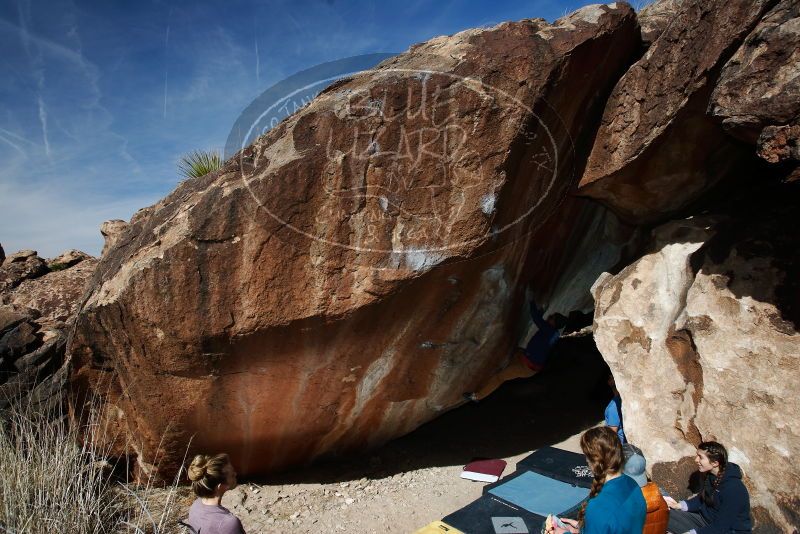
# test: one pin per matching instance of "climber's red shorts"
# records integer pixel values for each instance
(533, 366)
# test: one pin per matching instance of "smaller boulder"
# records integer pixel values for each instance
(2, 255)
(52, 350)
(57, 295)
(780, 143)
(11, 316)
(67, 259)
(655, 17)
(111, 230)
(20, 257)
(657, 151)
(759, 86)
(21, 266)
(18, 341)
(36, 385)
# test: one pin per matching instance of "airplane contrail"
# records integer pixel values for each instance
(43, 120)
(13, 145)
(258, 61)
(166, 68)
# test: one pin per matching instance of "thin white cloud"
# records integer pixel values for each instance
(221, 77)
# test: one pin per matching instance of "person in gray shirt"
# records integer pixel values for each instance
(211, 477)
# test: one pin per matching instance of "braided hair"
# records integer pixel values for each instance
(716, 452)
(603, 452)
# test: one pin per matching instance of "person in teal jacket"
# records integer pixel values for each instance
(616, 504)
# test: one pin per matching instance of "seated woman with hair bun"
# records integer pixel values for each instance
(211, 477)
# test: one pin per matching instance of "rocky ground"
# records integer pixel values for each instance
(416, 479)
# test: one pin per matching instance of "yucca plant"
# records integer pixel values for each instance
(199, 163)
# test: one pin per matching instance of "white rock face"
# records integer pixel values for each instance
(700, 351)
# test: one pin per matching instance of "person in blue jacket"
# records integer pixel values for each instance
(613, 412)
(616, 504)
(531, 359)
(723, 505)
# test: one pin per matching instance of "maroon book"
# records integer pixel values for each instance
(484, 470)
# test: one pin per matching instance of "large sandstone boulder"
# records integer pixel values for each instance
(702, 337)
(657, 150)
(349, 275)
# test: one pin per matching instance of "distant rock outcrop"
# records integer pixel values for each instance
(348, 276)
(56, 295)
(20, 266)
(37, 304)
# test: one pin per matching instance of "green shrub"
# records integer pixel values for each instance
(199, 163)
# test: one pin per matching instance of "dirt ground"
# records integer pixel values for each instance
(414, 480)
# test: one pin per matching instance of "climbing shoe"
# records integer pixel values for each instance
(470, 396)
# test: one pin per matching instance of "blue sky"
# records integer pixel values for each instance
(98, 100)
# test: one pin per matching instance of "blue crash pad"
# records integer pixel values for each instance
(562, 465)
(539, 494)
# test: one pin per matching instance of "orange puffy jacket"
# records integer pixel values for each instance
(657, 510)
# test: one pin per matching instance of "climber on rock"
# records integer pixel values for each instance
(530, 360)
